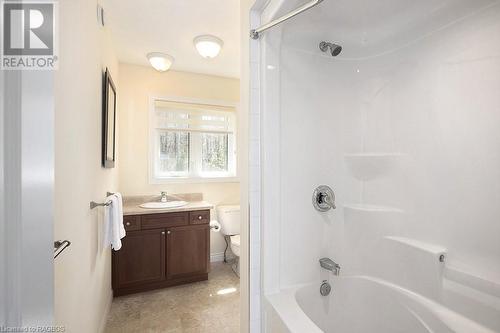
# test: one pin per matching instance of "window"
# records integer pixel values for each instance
(192, 140)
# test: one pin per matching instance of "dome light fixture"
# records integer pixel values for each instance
(160, 61)
(208, 46)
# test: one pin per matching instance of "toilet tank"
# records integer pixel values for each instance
(229, 218)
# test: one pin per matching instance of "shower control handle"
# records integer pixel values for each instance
(323, 198)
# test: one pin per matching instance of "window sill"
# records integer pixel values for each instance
(199, 180)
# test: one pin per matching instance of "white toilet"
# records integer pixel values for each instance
(229, 219)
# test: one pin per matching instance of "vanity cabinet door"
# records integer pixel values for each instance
(188, 251)
(141, 258)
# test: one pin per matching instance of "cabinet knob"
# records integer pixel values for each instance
(127, 224)
(168, 232)
(200, 217)
(163, 232)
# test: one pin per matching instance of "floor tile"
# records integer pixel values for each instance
(205, 307)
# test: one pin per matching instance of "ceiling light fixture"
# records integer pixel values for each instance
(208, 46)
(160, 61)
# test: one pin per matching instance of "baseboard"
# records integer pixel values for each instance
(218, 257)
(160, 284)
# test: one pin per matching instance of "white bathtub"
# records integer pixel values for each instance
(361, 304)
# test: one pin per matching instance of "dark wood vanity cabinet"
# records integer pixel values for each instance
(162, 250)
(141, 258)
(187, 249)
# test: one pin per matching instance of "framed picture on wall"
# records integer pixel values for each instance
(108, 122)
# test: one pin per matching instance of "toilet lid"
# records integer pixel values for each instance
(235, 240)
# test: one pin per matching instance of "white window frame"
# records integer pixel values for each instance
(153, 179)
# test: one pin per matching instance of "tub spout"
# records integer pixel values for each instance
(330, 265)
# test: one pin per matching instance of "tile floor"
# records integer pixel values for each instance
(206, 307)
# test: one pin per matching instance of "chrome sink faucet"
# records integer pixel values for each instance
(330, 265)
(163, 197)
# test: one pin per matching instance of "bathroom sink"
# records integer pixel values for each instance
(163, 205)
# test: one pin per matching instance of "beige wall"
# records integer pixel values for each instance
(245, 7)
(137, 84)
(83, 272)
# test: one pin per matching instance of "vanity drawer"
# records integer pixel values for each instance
(155, 221)
(132, 222)
(199, 217)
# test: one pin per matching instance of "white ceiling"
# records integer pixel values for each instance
(169, 26)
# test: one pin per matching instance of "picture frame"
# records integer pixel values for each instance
(108, 121)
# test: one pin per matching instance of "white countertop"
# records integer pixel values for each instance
(134, 209)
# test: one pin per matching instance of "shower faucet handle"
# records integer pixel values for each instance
(323, 198)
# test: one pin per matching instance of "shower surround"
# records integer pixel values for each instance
(403, 125)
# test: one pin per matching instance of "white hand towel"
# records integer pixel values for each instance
(114, 230)
(108, 224)
(119, 213)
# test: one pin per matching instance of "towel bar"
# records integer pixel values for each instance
(94, 204)
(60, 246)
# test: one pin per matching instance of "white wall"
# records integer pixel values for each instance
(422, 117)
(83, 272)
(437, 103)
(137, 84)
(243, 127)
(254, 177)
(319, 124)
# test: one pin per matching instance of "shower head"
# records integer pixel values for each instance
(335, 49)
